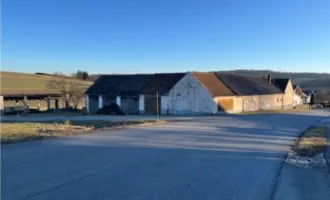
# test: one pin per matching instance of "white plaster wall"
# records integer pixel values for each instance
(164, 105)
(141, 104)
(100, 101)
(297, 100)
(87, 103)
(251, 103)
(258, 102)
(1, 104)
(271, 102)
(238, 105)
(118, 101)
(189, 97)
(288, 96)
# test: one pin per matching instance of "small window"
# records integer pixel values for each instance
(178, 94)
(278, 100)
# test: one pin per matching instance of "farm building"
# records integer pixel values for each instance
(20, 91)
(133, 93)
(11, 101)
(189, 93)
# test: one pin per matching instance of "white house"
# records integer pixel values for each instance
(298, 96)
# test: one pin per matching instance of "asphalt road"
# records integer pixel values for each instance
(225, 157)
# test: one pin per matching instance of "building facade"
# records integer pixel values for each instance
(191, 93)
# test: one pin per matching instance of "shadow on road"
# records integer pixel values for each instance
(232, 157)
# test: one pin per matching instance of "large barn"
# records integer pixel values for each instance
(189, 93)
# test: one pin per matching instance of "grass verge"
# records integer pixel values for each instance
(12, 132)
(312, 141)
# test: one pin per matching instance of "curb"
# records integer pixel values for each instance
(326, 122)
(321, 160)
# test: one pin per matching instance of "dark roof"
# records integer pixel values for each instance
(134, 84)
(308, 92)
(248, 85)
(162, 83)
(213, 84)
(294, 86)
(281, 83)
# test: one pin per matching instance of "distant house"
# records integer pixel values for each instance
(308, 95)
(188, 93)
(299, 97)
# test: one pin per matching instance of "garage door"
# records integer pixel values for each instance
(225, 104)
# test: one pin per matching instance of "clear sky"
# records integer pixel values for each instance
(131, 36)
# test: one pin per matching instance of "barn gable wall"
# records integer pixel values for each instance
(188, 96)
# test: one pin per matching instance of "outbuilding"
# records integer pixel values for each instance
(191, 93)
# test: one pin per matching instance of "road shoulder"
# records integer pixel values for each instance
(300, 183)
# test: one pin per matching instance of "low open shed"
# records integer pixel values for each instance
(21, 100)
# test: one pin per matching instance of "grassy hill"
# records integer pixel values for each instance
(12, 82)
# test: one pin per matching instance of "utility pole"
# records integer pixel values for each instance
(157, 106)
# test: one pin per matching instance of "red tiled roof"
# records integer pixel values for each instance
(212, 84)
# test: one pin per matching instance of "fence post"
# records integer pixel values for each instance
(157, 106)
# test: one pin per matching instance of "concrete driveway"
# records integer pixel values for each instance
(225, 157)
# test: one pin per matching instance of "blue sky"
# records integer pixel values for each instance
(135, 36)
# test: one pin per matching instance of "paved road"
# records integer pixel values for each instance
(226, 157)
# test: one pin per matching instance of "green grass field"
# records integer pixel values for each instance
(12, 82)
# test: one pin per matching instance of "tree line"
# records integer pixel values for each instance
(84, 75)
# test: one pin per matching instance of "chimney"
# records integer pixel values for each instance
(269, 78)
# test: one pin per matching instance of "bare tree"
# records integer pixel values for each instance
(76, 93)
(68, 87)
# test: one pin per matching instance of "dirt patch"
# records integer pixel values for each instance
(12, 132)
(312, 141)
